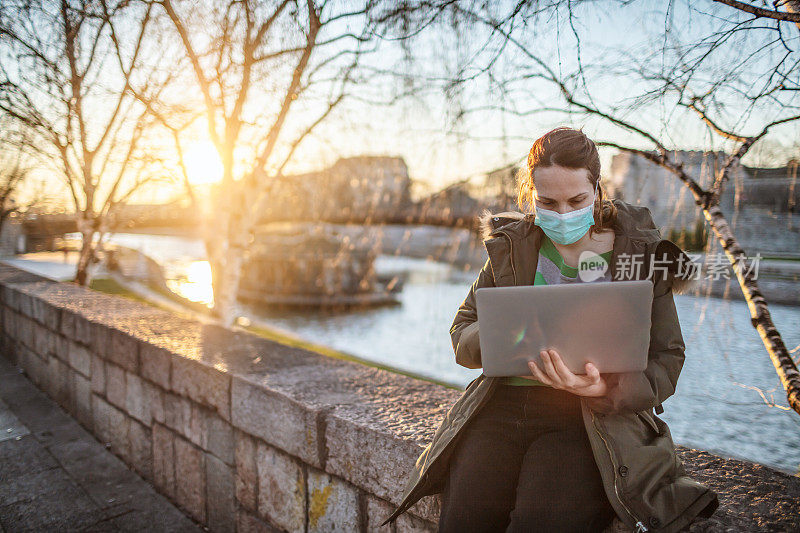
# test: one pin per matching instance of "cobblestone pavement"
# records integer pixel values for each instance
(55, 476)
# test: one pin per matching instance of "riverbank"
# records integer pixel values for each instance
(728, 399)
(238, 429)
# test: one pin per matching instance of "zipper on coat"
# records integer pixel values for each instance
(640, 527)
(511, 255)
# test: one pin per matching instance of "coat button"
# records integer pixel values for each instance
(654, 521)
(623, 470)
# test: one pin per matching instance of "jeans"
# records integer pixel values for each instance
(524, 463)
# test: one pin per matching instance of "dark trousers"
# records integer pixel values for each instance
(524, 463)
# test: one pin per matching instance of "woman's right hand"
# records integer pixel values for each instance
(557, 375)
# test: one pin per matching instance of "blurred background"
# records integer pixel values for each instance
(313, 171)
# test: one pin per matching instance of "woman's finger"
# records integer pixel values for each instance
(592, 373)
(597, 382)
(538, 373)
(561, 369)
(548, 368)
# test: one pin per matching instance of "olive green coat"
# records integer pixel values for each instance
(644, 479)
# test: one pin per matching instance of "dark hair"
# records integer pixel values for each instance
(569, 148)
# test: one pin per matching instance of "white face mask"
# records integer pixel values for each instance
(566, 228)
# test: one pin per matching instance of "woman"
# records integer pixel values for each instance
(555, 451)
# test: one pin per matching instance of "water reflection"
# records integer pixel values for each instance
(717, 405)
(195, 284)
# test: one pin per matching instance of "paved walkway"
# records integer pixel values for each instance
(54, 475)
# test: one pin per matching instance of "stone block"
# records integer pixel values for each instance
(80, 359)
(84, 331)
(427, 508)
(140, 449)
(60, 347)
(332, 504)
(137, 402)
(408, 523)
(248, 523)
(377, 511)
(59, 382)
(115, 385)
(53, 346)
(41, 340)
(71, 406)
(164, 460)
(10, 297)
(52, 317)
(36, 367)
(155, 364)
(121, 348)
(246, 471)
(111, 426)
(277, 420)
(369, 457)
(44, 313)
(25, 302)
(25, 332)
(202, 383)
(281, 489)
(190, 479)
(218, 437)
(67, 324)
(98, 375)
(9, 320)
(220, 500)
(82, 395)
(178, 417)
(155, 398)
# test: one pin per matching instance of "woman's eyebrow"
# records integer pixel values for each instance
(574, 197)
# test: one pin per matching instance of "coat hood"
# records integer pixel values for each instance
(635, 221)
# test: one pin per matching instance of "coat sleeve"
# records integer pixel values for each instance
(639, 391)
(464, 331)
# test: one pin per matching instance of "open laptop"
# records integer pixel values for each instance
(603, 322)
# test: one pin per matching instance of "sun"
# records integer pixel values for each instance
(202, 163)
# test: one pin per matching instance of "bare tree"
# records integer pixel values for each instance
(13, 173)
(253, 64)
(62, 80)
(751, 96)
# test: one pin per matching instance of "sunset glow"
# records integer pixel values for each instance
(203, 164)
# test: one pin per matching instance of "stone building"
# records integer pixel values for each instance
(761, 204)
(454, 204)
(352, 189)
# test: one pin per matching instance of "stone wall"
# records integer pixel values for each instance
(245, 434)
(240, 432)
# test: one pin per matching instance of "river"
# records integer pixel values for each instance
(728, 400)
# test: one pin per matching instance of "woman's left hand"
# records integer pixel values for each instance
(557, 375)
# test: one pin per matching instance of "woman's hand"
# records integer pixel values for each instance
(557, 375)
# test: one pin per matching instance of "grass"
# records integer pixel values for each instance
(110, 286)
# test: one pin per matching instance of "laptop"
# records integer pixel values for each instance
(603, 322)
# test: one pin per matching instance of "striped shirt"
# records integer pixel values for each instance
(552, 270)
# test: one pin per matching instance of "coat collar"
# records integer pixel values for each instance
(635, 221)
(635, 232)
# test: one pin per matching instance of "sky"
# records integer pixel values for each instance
(440, 151)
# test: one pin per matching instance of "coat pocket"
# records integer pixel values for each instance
(648, 419)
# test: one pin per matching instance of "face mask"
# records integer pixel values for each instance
(568, 227)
